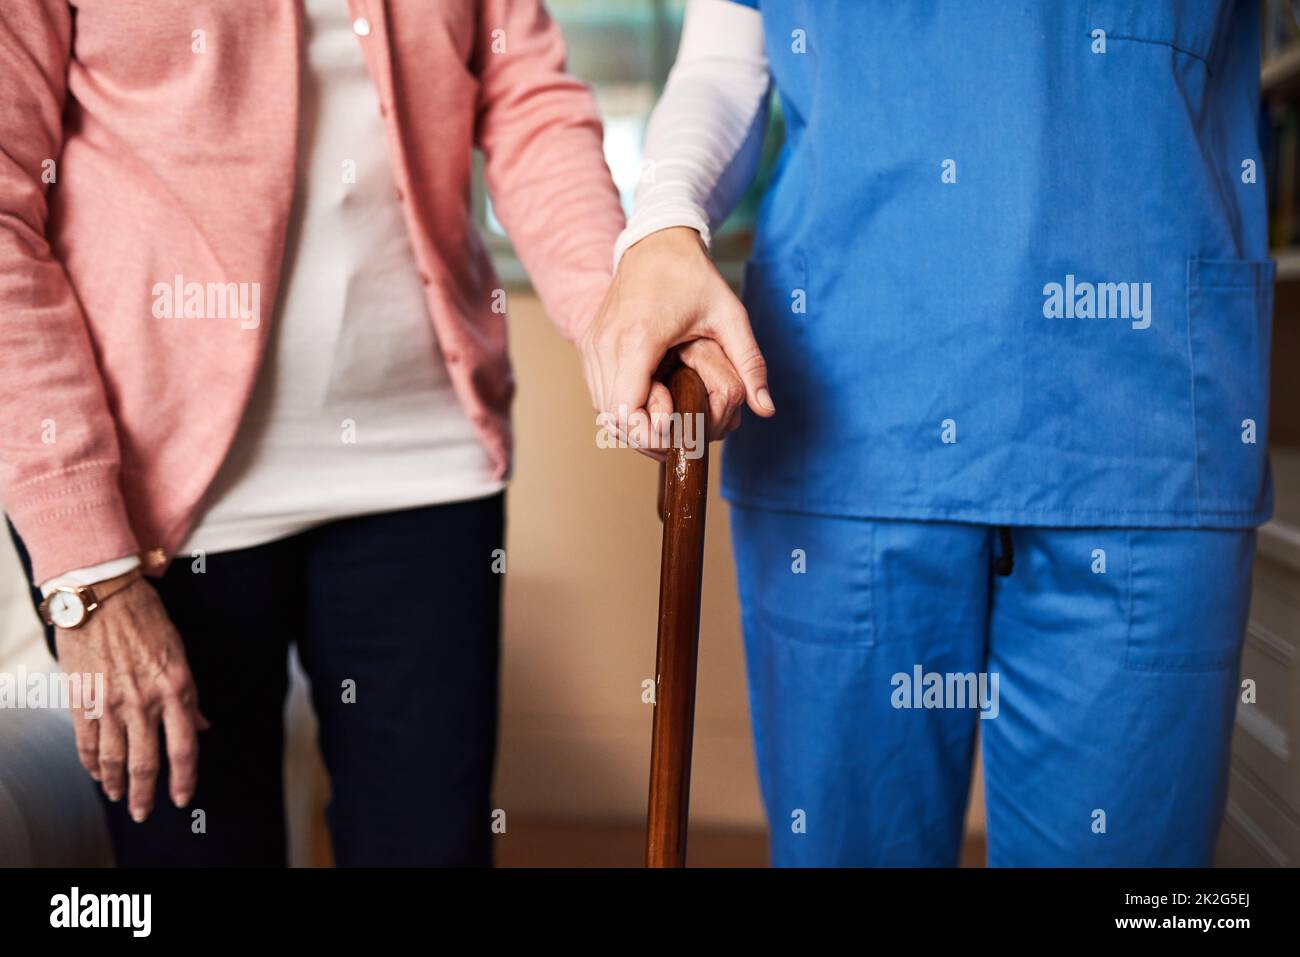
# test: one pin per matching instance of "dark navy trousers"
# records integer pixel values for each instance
(396, 619)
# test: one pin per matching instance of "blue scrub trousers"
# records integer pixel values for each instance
(1110, 666)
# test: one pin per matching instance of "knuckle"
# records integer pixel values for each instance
(753, 363)
(603, 340)
(690, 350)
(176, 680)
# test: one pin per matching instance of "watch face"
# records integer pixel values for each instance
(66, 609)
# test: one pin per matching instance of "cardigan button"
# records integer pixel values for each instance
(361, 26)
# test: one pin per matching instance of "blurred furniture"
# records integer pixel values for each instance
(1261, 825)
(49, 813)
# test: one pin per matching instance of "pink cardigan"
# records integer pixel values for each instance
(170, 127)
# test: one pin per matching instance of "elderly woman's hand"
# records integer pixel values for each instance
(131, 641)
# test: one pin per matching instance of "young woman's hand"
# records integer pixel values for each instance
(131, 641)
(667, 294)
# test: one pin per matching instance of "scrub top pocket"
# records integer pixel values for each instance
(1229, 319)
(1189, 27)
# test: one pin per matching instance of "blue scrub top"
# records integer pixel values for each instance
(1011, 269)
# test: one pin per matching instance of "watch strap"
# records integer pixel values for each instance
(98, 593)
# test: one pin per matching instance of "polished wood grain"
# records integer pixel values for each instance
(684, 494)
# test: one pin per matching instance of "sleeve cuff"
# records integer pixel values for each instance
(71, 518)
(92, 574)
(653, 220)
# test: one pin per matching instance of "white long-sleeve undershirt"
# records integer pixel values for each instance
(706, 133)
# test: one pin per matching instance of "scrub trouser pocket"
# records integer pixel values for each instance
(1101, 671)
(1118, 652)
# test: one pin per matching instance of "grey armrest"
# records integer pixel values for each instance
(50, 815)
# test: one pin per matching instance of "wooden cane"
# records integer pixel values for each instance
(684, 494)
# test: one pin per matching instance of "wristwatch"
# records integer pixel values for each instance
(70, 606)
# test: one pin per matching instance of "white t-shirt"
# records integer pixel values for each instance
(353, 411)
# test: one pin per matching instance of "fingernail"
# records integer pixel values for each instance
(138, 816)
(114, 795)
(765, 399)
(181, 800)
